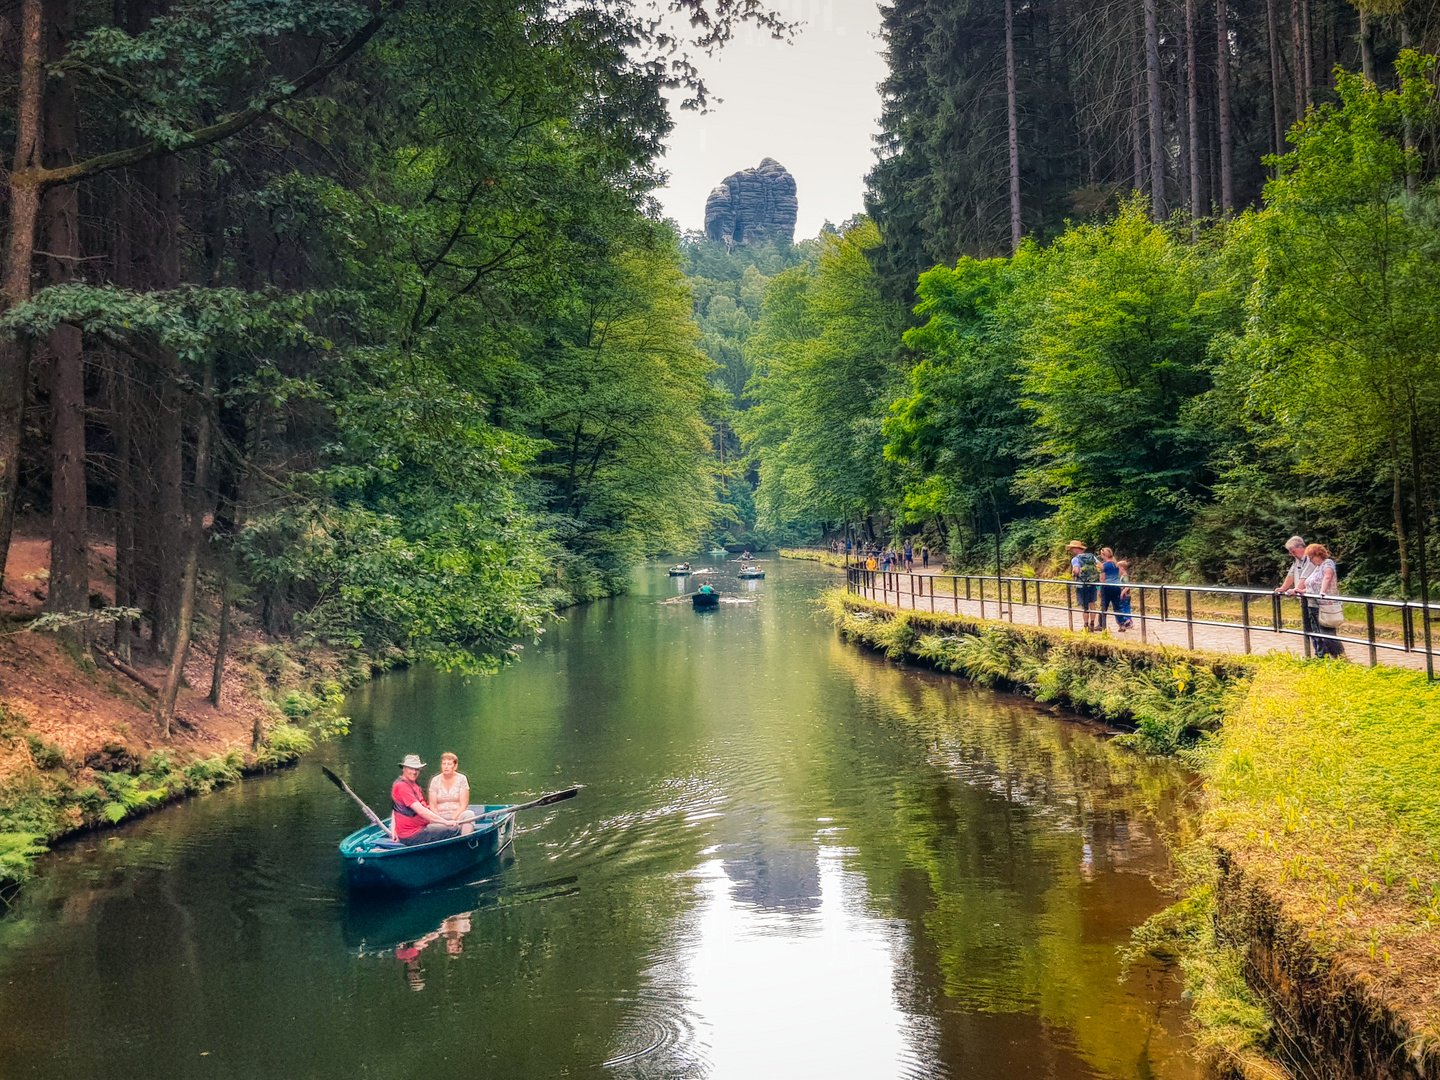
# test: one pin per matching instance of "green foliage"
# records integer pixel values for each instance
(17, 851)
(1171, 699)
(1119, 318)
(283, 742)
(827, 364)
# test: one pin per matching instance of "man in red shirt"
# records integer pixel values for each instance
(415, 822)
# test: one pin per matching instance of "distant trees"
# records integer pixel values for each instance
(1145, 95)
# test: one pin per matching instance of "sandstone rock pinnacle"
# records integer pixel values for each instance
(753, 206)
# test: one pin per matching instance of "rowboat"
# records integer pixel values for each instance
(705, 601)
(374, 861)
(679, 571)
(751, 572)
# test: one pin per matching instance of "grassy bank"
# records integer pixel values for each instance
(1169, 696)
(828, 558)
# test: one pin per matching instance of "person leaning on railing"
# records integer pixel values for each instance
(1326, 615)
(1300, 570)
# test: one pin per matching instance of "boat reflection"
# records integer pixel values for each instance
(405, 926)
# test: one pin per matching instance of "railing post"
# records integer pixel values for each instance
(1370, 630)
(1275, 610)
(1407, 627)
(967, 588)
(1010, 598)
(1189, 622)
(1070, 605)
(1164, 606)
(955, 593)
(1039, 603)
(1143, 639)
(982, 598)
(1245, 619)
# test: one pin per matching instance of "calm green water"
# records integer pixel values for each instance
(791, 859)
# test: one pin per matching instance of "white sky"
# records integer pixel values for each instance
(812, 105)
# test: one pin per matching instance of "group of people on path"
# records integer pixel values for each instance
(1313, 575)
(446, 813)
(1102, 585)
(886, 558)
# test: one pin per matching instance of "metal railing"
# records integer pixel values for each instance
(1405, 626)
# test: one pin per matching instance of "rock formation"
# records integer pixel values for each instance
(753, 206)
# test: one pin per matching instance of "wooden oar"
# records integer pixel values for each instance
(374, 818)
(544, 800)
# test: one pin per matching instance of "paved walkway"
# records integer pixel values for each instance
(1223, 638)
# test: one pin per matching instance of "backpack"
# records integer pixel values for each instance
(1089, 568)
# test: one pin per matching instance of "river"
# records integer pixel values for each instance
(790, 859)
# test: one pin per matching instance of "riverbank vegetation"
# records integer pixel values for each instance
(1171, 697)
(1312, 896)
(1189, 392)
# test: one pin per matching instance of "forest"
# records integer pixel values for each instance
(363, 318)
(358, 315)
(1187, 355)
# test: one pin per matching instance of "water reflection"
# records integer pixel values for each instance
(791, 859)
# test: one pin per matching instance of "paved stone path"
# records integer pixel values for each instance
(913, 591)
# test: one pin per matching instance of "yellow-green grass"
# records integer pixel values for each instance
(1321, 787)
(829, 558)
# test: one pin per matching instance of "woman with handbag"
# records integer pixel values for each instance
(1326, 613)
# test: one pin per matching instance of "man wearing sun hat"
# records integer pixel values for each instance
(415, 822)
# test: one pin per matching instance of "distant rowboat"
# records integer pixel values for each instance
(705, 601)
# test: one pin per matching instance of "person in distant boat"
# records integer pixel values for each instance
(450, 792)
(415, 822)
(706, 590)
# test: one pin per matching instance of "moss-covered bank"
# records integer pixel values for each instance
(1170, 697)
(1309, 931)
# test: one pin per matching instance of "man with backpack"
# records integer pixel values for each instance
(1085, 569)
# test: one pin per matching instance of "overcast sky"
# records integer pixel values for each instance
(812, 105)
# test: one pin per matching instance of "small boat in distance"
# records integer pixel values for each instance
(680, 569)
(705, 601)
(751, 572)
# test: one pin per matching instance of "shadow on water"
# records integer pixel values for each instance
(791, 859)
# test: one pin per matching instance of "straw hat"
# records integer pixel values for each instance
(412, 761)
(1075, 544)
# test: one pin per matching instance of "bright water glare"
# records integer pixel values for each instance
(791, 859)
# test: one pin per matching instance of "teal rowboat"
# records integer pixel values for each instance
(374, 861)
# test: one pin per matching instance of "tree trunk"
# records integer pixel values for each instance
(222, 642)
(69, 552)
(1297, 54)
(1222, 108)
(1417, 485)
(124, 512)
(1367, 58)
(15, 283)
(194, 537)
(1137, 151)
(1273, 34)
(1013, 120)
(1397, 507)
(1305, 57)
(1192, 112)
(1157, 126)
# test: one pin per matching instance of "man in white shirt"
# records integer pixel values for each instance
(1300, 569)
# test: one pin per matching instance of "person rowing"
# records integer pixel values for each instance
(415, 822)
